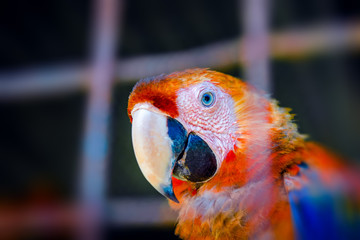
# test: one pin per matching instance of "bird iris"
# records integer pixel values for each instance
(207, 99)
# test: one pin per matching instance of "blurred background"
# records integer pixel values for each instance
(68, 170)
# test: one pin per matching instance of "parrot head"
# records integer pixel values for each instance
(231, 160)
(185, 125)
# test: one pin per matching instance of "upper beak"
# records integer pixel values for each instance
(163, 149)
(155, 151)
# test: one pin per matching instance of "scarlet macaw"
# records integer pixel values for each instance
(233, 164)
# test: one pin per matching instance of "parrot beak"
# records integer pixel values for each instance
(163, 149)
(155, 151)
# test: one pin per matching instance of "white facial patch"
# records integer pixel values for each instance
(215, 124)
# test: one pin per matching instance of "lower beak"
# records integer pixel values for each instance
(164, 149)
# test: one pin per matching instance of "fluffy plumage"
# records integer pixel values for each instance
(266, 169)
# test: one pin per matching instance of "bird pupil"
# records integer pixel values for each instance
(207, 98)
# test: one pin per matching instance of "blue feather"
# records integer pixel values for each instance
(319, 213)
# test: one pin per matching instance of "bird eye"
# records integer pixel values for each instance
(207, 99)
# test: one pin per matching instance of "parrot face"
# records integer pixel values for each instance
(187, 138)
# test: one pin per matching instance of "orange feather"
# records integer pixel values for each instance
(248, 196)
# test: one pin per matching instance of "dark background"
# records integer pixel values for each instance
(40, 137)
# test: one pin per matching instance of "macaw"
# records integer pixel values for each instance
(233, 163)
